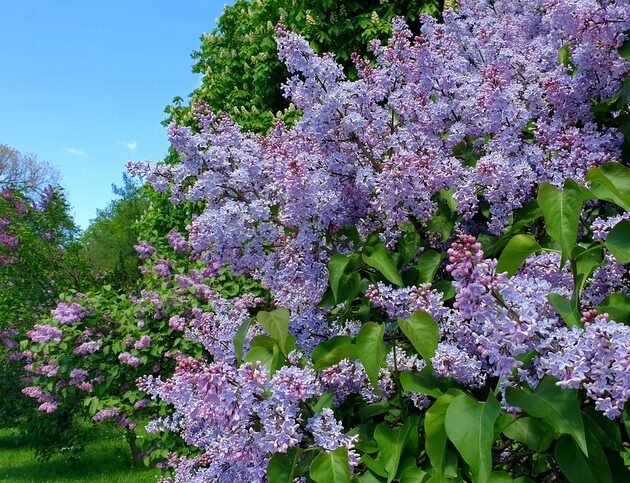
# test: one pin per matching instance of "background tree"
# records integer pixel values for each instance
(110, 238)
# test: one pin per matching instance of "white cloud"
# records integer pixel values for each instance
(129, 144)
(76, 152)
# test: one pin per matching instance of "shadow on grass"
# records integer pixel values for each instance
(11, 439)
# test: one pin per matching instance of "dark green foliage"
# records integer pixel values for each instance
(238, 60)
(110, 238)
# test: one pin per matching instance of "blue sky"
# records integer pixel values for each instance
(83, 84)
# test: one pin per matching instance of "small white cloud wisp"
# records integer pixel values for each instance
(129, 144)
(76, 152)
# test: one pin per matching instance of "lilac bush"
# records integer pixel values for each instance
(442, 142)
(442, 246)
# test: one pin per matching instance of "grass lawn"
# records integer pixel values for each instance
(106, 460)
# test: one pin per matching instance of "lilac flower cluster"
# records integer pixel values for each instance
(106, 414)
(44, 333)
(87, 348)
(144, 250)
(402, 302)
(177, 241)
(601, 227)
(143, 342)
(596, 358)
(328, 434)
(127, 358)
(373, 152)
(69, 313)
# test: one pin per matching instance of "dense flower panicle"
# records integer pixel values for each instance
(596, 358)
(373, 152)
(217, 408)
(143, 343)
(402, 302)
(69, 313)
(44, 333)
(7, 338)
(162, 268)
(328, 434)
(106, 414)
(177, 241)
(127, 358)
(601, 227)
(144, 250)
(87, 348)
(479, 107)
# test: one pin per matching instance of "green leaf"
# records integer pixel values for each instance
(585, 261)
(333, 350)
(446, 287)
(425, 382)
(428, 265)
(617, 306)
(239, 339)
(331, 467)
(336, 268)
(324, 401)
(515, 252)
(375, 465)
(566, 310)
(611, 182)
(412, 474)
(577, 467)
(323, 348)
(618, 241)
(561, 210)
(350, 287)
(469, 425)
(408, 243)
(559, 407)
(564, 55)
(276, 323)
(624, 50)
(382, 260)
(605, 430)
(422, 332)
(281, 466)
(391, 443)
(435, 433)
(371, 350)
(536, 434)
(266, 350)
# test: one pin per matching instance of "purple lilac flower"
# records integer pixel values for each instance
(162, 268)
(44, 334)
(402, 302)
(69, 313)
(177, 241)
(601, 227)
(328, 434)
(127, 358)
(143, 343)
(596, 358)
(144, 250)
(88, 348)
(106, 414)
(177, 322)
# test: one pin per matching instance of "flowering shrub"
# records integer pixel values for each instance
(431, 269)
(443, 304)
(92, 347)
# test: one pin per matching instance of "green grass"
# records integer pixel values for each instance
(106, 460)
